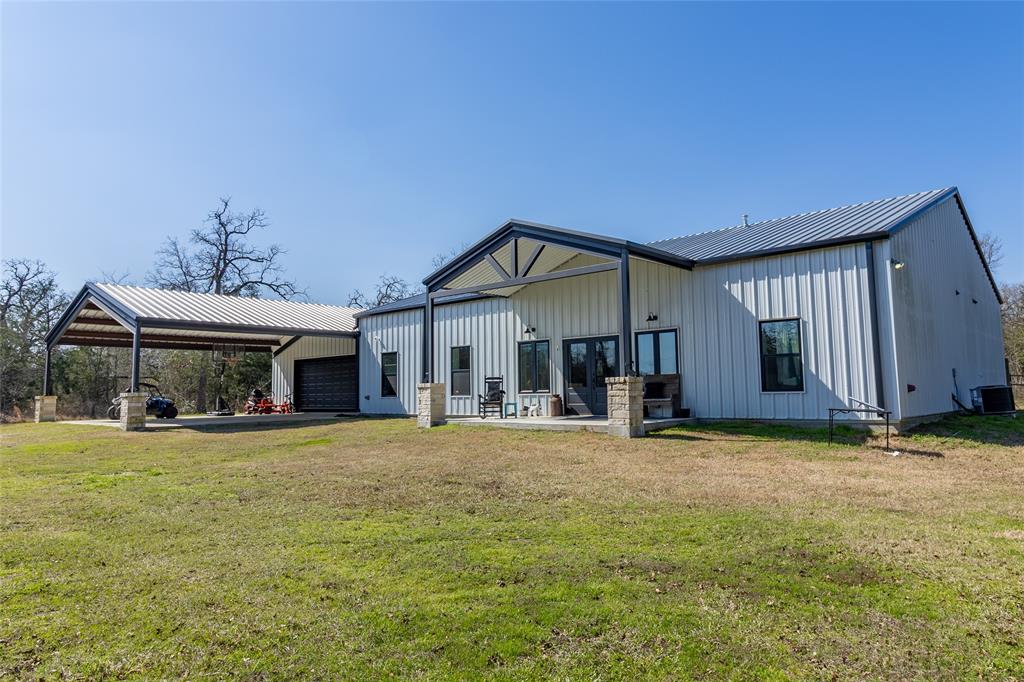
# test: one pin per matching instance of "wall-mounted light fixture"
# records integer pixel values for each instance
(529, 330)
(651, 317)
(897, 264)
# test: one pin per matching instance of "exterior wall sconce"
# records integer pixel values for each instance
(529, 330)
(651, 317)
(897, 264)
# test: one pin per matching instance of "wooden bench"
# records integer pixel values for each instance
(661, 395)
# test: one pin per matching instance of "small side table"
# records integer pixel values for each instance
(515, 410)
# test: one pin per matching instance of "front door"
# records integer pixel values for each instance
(588, 362)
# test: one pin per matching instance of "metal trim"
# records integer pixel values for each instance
(875, 333)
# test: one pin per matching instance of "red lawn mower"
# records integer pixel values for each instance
(264, 404)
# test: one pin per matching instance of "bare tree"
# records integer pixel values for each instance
(220, 260)
(442, 258)
(991, 249)
(389, 288)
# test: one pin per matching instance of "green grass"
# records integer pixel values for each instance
(368, 549)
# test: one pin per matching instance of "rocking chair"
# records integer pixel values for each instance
(493, 398)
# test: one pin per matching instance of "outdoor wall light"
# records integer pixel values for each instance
(529, 329)
(897, 264)
(651, 317)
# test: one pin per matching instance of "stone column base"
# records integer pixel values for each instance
(430, 406)
(133, 411)
(46, 408)
(626, 406)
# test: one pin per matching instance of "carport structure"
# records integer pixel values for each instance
(116, 315)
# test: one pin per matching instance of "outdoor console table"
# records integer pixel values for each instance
(866, 408)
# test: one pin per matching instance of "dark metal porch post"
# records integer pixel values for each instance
(136, 356)
(428, 339)
(46, 370)
(626, 343)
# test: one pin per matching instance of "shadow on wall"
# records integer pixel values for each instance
(726, 362)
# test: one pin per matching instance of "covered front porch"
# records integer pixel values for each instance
(546, 312)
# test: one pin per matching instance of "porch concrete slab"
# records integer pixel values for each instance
(595, 424)
(201, 421)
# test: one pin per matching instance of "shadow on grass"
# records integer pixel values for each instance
(241, 427)
(762, 431)
(1006, 430)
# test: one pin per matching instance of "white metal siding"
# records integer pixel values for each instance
(937, 330)
(827, 289)
(283, 366)
(390, 332)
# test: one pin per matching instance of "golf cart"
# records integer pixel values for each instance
(156, 404)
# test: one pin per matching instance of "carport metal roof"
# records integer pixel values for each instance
(140, 317)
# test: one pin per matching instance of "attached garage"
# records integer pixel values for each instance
(321, 373)
(323, 384)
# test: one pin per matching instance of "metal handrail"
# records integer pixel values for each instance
(867, 408)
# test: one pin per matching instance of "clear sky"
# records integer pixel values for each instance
(377, 135)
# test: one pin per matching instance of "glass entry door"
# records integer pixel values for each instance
(588, 362)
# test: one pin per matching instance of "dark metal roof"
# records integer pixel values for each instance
(858, 222)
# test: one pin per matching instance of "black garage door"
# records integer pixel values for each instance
(327, 384)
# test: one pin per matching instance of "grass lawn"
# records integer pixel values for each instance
(367, 549)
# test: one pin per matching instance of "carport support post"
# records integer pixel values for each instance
(46, 404)
(136, 356)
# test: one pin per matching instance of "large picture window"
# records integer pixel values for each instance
(460, 370)
(657, 352)
(388, 375)
(781, 366)
(534, 367)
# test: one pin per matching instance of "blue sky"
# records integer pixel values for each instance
(377, 135)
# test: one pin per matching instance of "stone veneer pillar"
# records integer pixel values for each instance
(46, 408)
(625, 406)
(133, 411)
(430, 406)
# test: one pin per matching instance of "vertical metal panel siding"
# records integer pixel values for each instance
(399, 332)
(283, 366)
(576, 306)
(827, 289)
(938, 331)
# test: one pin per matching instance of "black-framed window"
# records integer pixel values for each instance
(388, 375)
(534, 367)
(782, 368)
(657, 352)
(460, 370)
